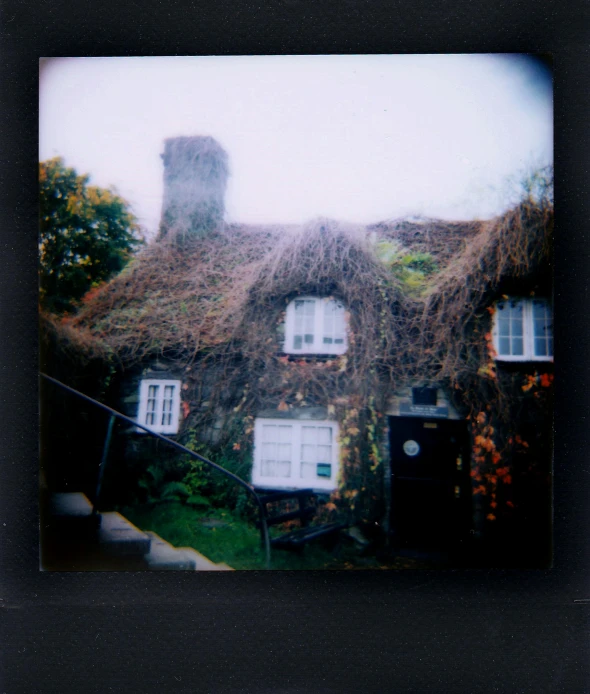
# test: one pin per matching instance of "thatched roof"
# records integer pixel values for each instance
(174, 300)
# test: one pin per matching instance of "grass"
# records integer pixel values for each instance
(223, 537)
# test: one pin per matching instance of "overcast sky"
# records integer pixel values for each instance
(356, 138)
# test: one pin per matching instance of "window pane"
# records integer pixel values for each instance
(150, 417)
(516, 326)
(285, 433)
(517, 346)
(269, 451)
(299, 316)
(540, 347)
(283, 469)
(324, 454)
(308, 470)
(284, 452)
(269, 432)
(303, 333)
(273, 468)
(510, 328)
(333, 328)
(308, 434)
(504, 326)
(540, 310)
(308, 453)
(167, 406)
(328, 318)
(276, 450)
(324, 435)
(542, 329)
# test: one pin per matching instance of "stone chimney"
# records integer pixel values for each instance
(195, 179)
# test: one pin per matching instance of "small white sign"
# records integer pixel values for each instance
(411, 447)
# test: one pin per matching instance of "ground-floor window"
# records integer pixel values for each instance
(295, 454)
(159, 405)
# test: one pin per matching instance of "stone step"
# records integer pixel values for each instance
(71, 513)
(204, 564)
(119, 537)
(164, 557)
(75, 539)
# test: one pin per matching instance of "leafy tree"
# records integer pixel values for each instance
(87, 234)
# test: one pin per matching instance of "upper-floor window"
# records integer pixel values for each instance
(523, 330)
(159, 405)
(315, 326)
(295, 454)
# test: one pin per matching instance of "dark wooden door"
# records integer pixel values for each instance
(430, 485)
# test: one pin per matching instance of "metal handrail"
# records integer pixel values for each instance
(114, 414)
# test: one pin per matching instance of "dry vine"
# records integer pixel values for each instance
(215, 307)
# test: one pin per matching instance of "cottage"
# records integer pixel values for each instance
(401, 370)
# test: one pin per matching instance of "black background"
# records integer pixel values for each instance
(290, 632)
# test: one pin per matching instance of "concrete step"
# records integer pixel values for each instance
(164, 557)
(119, 537)
(75, 539)
(71, 513)
(204, 564)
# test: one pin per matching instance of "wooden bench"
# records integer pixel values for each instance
(307, 508)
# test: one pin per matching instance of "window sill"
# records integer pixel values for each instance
(308, 356)
(524, 360)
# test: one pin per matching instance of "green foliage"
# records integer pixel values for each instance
(411, 269)
(237, 542)
(151, 482)
(87, 234)
(175, 491)
(388, 251)
(163, 475)
(532, 186)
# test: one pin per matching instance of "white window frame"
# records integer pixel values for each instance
(295, 480)
(158, 408)
(317, 346)
(528, 335)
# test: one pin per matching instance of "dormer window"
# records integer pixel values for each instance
(523, 330)
(315, 326)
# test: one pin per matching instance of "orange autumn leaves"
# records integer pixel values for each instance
(540, 380)
(487, 472)
(489, 369)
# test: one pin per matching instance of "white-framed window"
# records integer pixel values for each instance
(523, 330)
(295, 454)
(159, 405)
(315, 325)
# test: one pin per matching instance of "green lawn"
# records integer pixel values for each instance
(223, 537)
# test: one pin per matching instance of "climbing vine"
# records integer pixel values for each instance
(419, 300)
